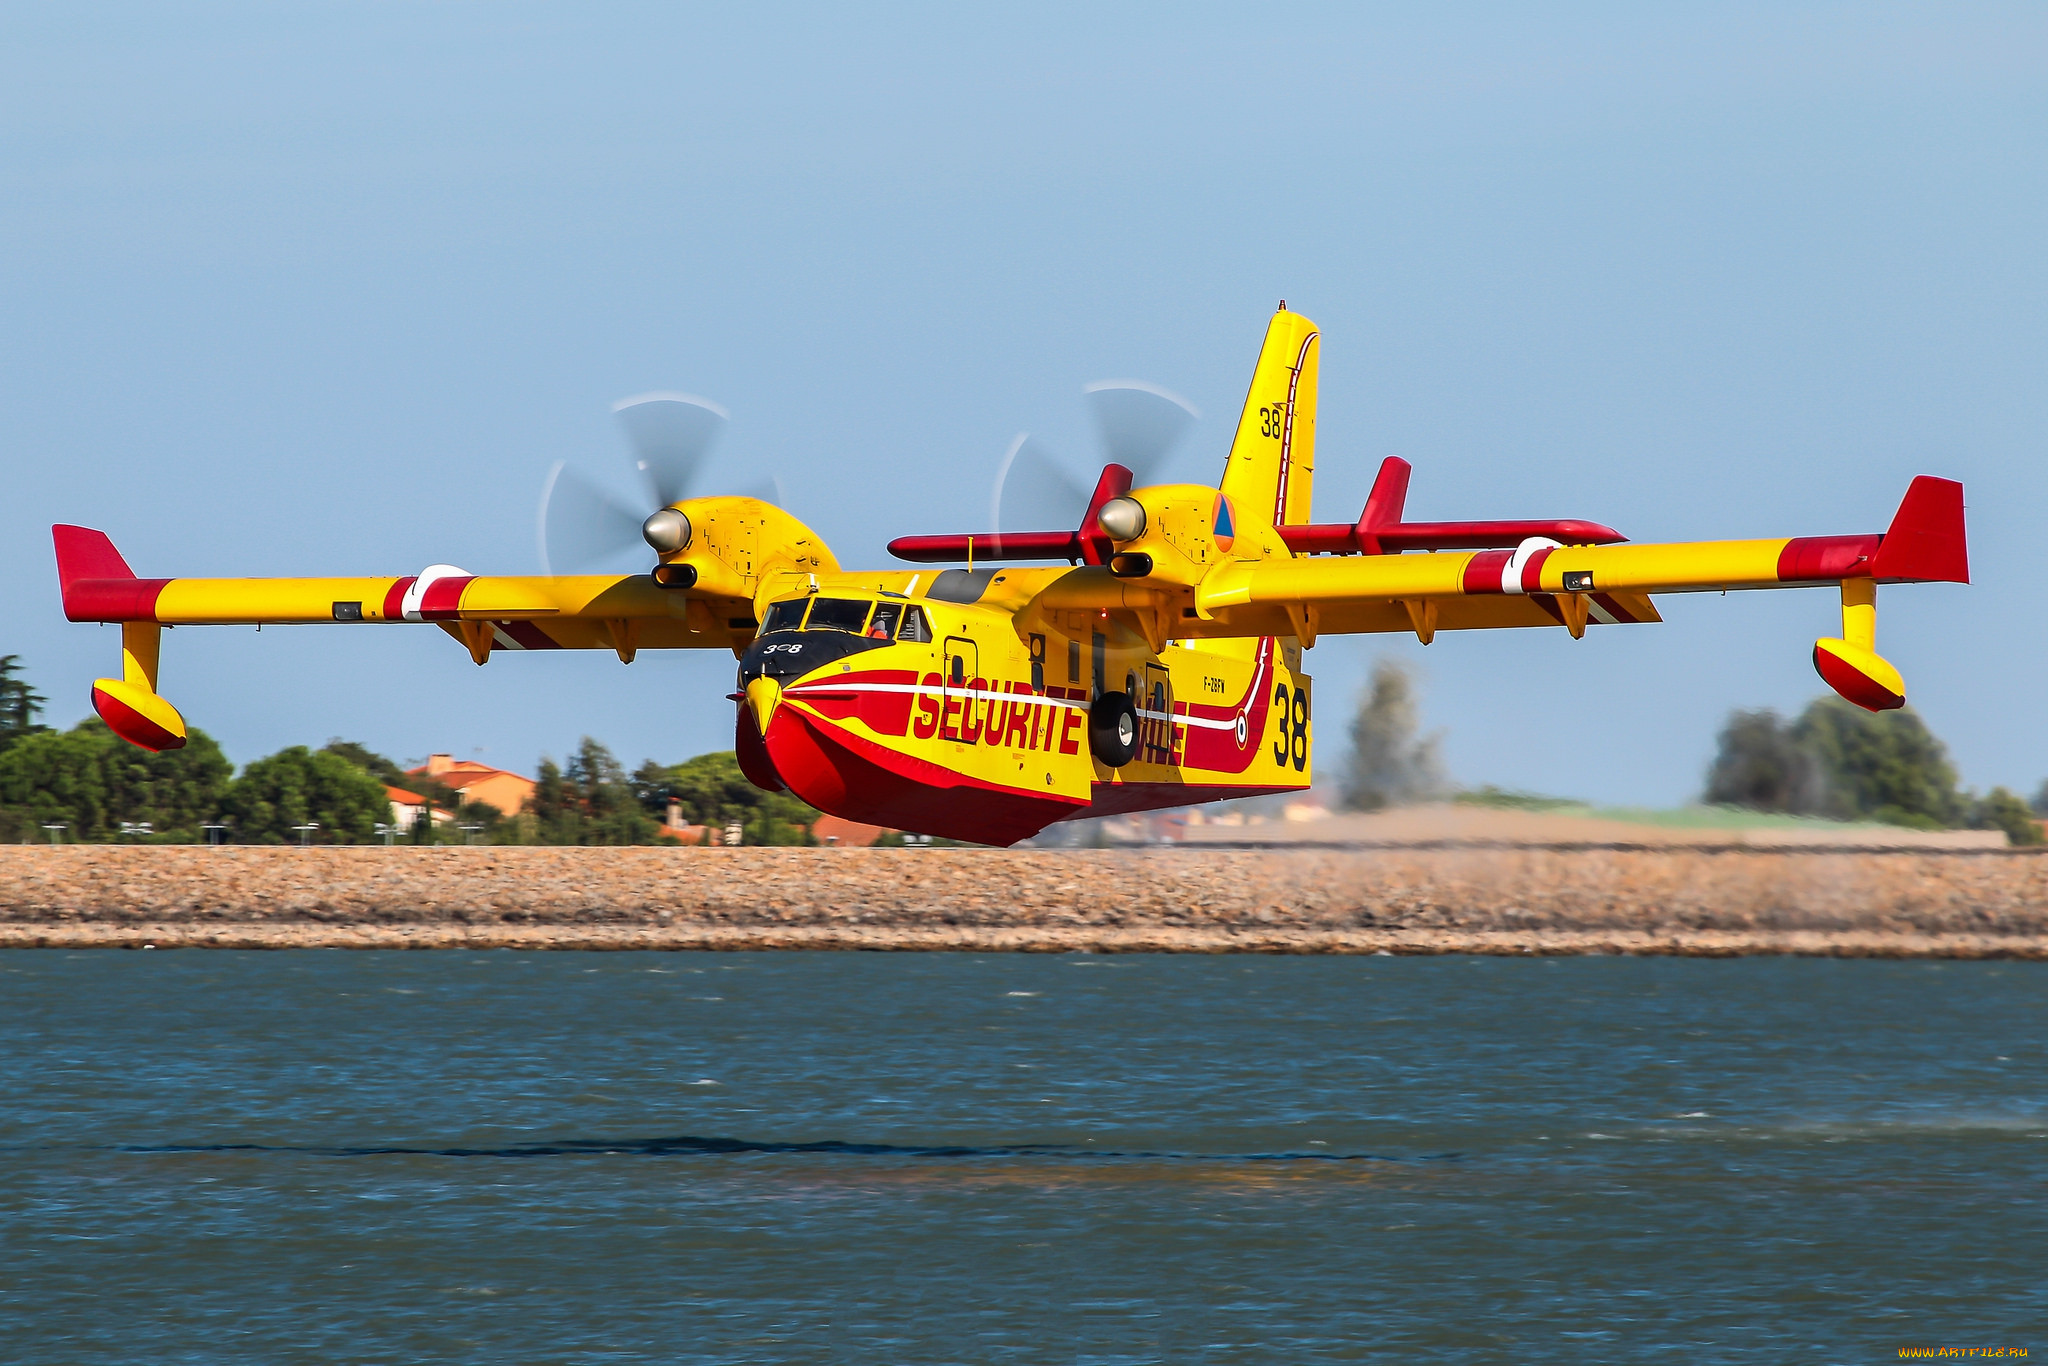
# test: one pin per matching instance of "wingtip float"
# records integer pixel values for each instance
(1159, 665)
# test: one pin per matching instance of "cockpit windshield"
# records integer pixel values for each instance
(882, 626)
(838, 614)
(785, 616)
(890, 620)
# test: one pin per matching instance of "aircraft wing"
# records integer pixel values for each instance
(623, 613)
(1543, 583)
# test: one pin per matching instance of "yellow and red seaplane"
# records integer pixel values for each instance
(1155, 662)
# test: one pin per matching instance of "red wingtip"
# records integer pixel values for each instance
(1926, 541)
(83, 553)
(96, 582)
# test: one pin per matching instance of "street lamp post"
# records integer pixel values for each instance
(56, 830)
(306, 832)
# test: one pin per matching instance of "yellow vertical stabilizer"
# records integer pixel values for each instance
(1271, 471)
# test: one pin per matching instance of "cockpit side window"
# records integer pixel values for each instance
(785, 616)
(883, 627)
(915, 627)
(838, 614)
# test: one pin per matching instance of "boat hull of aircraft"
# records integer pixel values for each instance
(990, 730)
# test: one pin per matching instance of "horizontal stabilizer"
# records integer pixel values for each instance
(1339, 538)
(1380, 530)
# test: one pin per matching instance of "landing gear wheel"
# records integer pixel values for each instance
(1113, 729)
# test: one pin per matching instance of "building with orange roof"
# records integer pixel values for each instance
(475, 782)
(407, 807)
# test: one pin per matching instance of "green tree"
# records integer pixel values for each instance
(296, 786)
(1839, 761)
(54, 778)
(1761, 763)
(711, 790)
(2000, 809)
(1884, 766)
(1391, 764)
(369, 761)
(91, 780)
(384, 770)
(590, 801)
(19, 703)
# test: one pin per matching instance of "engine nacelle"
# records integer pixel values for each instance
(731, 543)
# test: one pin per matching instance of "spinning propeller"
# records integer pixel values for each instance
(582, 524)
(1139, 423)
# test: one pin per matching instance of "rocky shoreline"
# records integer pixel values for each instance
(1432, 897)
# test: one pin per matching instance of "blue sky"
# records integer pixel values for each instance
(327, 288)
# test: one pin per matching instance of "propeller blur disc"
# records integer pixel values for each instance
(1140, 423)
(581, 525)
(765, 485)
(1035, 492)
(671, 434)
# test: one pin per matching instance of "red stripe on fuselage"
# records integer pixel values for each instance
(886, 713)
(1218, 750)
(853, 777)
(394, 597)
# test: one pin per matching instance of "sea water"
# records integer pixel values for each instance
(324, 1156)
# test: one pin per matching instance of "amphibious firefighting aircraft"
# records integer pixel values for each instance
(1156, 662)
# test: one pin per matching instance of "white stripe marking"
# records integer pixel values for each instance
(1511, 572)
(825, 686)
(409, 605)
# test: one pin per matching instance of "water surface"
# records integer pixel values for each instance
(910, 1158)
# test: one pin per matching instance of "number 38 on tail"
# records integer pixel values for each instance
(1150, 657)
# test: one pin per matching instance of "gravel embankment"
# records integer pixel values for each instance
(1560, 899)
